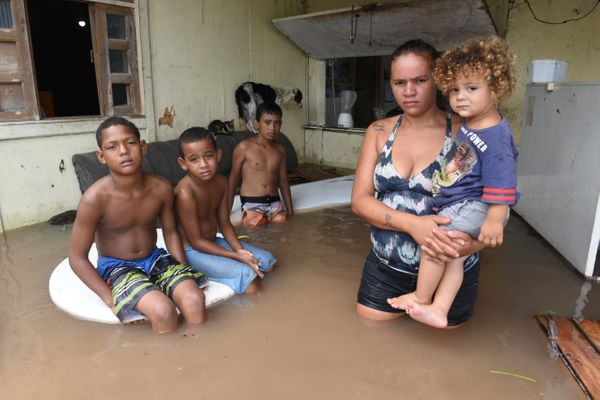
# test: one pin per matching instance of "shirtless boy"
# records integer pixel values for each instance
(260, 161)
(202, 206)
(119, 211)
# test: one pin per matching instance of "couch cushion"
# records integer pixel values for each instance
(88, 169)
(226, 143)
(162, 156)
(161, 159)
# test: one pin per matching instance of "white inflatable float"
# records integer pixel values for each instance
(71, 295)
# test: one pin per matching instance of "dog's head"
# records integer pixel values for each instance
(297, 97)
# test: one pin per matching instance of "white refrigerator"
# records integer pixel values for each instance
(559, 169)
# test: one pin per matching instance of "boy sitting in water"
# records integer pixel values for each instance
(120, 211)
(477, 182)
(261, 162)
(202, 206)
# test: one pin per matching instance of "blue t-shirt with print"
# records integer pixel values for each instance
(480, 166)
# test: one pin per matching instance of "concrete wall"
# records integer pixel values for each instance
(332, 147)
(194, 54)
(202, 51)
(577, 42)
(32, 186)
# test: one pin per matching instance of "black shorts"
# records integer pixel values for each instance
(380, 282)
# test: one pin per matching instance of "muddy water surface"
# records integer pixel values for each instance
(299, 338)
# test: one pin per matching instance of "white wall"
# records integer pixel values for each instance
(202, 51)
(32, 188)
(576, 42)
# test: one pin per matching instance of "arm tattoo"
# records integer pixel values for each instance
(388, 219)
(379, 127)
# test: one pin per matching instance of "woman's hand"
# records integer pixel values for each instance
(422, 227)
(444, 246)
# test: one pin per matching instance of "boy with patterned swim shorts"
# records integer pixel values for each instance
(120, 212)
(260, 161)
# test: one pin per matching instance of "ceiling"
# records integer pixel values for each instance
(379, 28)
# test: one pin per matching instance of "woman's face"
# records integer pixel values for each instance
(412, 83)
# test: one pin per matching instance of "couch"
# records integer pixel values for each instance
(162, 159)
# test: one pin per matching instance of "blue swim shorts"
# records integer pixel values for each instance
(227, 271)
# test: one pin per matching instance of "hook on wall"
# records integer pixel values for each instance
(61, 166)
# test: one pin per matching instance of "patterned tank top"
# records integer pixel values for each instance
(398, 250)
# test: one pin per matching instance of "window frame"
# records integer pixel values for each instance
(21, 35)
(22, 73)
(102, 45)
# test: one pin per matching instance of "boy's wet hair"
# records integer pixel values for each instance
(113, 121)
(485, 56)
(269, 109)
(196, 134)
(418, 47)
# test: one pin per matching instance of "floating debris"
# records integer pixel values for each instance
(552, 338)
(493, 371)
(64, 218)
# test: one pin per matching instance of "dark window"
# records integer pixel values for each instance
(63, 56)
(84, 55)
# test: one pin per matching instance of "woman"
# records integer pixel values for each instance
(392, 191)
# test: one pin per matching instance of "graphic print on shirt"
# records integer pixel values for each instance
(458, 162)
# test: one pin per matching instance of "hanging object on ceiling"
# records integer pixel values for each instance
(371, 28)
(354, 15)
(353, 24)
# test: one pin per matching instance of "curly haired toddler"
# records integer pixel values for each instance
(476, 185)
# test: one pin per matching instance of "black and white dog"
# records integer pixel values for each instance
(250, 94)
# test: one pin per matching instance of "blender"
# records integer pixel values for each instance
(348, 99)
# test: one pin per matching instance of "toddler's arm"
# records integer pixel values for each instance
(492, 230)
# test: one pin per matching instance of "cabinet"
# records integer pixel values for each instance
(558, 169)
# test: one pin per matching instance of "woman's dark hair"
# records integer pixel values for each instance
(196, 134)
(112, 121)
(419, 47)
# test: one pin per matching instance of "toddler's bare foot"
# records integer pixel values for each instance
(427, 314)
(401, 302)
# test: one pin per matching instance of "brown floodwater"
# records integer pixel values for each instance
(300, 337)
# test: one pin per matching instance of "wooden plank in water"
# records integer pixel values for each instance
(592, 331)
(578, 355)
